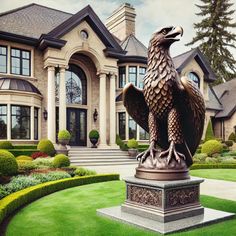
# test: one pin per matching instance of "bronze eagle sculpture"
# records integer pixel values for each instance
(170, 108)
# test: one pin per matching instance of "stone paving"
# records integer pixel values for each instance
(216, 188)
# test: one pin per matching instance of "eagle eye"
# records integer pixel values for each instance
(164, 32)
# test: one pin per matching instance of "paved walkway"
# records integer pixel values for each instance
(211, 187)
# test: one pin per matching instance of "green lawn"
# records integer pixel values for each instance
(223, 174)
(73, 212)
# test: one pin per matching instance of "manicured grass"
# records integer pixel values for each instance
(73, 212)
(222, 174)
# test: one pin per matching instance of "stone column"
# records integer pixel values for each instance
(102, 111)
(51, 104)
(62, 100)
(113, 111)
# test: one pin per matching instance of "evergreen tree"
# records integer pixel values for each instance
(215, 38)
(209, 132)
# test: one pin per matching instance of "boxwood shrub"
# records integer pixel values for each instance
(18, 199)
(8, 164)
(46, 146)
(6, 145)
(61, 160)
(19, 152)
(211, 147)
(213, 166)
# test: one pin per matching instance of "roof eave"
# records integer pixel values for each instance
(135, 59)
(18, 38)
(47, 41)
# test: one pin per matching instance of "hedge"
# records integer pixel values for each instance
(18, 199)
(30, 146)
(213, 166)
(24, 152)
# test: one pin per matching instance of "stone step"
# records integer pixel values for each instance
(102, 159)
(97, 154)
(103, 163)
(99, 157)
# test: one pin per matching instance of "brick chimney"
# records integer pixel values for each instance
(122, 21)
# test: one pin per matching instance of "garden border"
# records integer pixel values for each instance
(12, 202)
(212, 166)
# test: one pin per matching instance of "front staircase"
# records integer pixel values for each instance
(99, 157)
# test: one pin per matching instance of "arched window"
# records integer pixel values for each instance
(76, 85)
(194, 78)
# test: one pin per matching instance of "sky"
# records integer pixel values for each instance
(151, 15)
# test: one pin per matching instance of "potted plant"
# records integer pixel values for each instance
(132, 147)
(94, 136)
(64, 137)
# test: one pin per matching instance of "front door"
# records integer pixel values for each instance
(76, 125)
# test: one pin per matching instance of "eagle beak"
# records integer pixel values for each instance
(175, 32)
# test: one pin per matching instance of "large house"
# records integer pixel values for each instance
(64, 71)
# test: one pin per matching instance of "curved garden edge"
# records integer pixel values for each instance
(212, 166)
(18, 199)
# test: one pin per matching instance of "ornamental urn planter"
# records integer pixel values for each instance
(132, 152)
(94, 142)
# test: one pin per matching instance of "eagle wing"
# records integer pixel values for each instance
(192, 109)
(136, 105)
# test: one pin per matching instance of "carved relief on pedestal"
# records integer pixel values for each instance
(144, 196)
(181, 197)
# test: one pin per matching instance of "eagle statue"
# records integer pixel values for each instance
(171, 109)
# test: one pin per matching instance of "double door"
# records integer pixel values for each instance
(77, 126)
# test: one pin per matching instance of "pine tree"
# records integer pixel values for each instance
(215, 38)
(209, 132)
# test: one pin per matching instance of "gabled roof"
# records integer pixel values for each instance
(135, 50)
(213, 103)
(35, 22)
(182, 60)
(226, 93)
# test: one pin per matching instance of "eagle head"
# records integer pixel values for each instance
(166, 36)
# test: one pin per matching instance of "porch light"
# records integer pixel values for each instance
(45, 114)
(95, 115)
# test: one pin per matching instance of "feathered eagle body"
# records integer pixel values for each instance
(163, 93)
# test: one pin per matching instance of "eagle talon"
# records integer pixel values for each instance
(171, 151)
(149, 152)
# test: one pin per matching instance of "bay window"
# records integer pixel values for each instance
(3, 59)
(3, 121)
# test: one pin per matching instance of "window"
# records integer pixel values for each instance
(76, 86)
(133, 75)
(3, 59)
(20, 62)
(122, 121)
(36, 123)
(143, 135)
(20, 122)
(142, 71)
(194, 78)
(132, 128)
(122, 77)
(3, 122)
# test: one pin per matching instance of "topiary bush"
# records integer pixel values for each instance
(8, 164)
(94, 134)
(232, 137)
(24, 158)
(61, 160)
(229, 143)
(199, 158)
(64, 134)
(211, 147)
(209, 132)
(132, 143)
(82, 172)
(26, 166)
(6, 145)
(39, 154)
(46, 146)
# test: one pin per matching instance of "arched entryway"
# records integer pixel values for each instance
(76, 100)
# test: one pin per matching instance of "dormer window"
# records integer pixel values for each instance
(194, 78)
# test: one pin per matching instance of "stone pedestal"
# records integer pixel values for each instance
(164, 206)
(163, 201)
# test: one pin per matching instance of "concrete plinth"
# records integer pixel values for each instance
(164, 206)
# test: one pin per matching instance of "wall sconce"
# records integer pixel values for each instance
(95, 115)
(45, 114)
